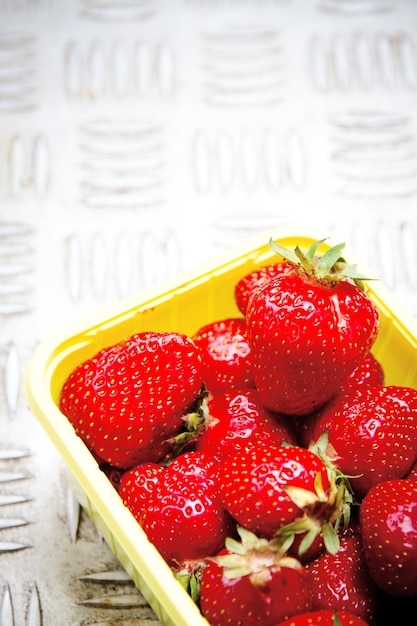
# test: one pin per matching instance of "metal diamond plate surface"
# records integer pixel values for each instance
(141, 137)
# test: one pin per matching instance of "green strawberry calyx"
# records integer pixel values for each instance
(194, 423)
(324, 513)
(329, 267)
(189, 576)
(253, 556)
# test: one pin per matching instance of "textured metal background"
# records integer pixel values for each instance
(140, 137)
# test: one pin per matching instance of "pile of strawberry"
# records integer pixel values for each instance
(265, 457)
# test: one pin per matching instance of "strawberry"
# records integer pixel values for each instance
(373, 430)
(252, 582)
(255, 279)
(197, 464)
(308, 330)
(226, 355)
(128, 400)
(388, 523)
(237, 420)
(286, 491)
(368, 372)
(341, 581)
(137, 484)
(184, 517)
(324, 617)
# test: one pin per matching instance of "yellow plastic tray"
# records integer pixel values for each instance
(184, 304)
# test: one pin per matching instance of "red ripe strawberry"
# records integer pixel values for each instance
(255, 279)
(237, 420)
(368, 372)
(226, 355)
(324, 617)
(184, 517)
(373, 431)
(341, 581)
(286, 491)
(196, 464)
(388, 523)
(128, 400)
(252, 583)
(137, 484)
(308, 330)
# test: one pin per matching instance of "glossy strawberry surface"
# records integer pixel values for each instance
(237, 421)
(128, 400)
(226, 355)
(373, 430)
(342, 582)
(306, 338)
(388, 522)
(369, 371)
(137, 484)
(256, 279)
(184, 516)
(254, 487)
